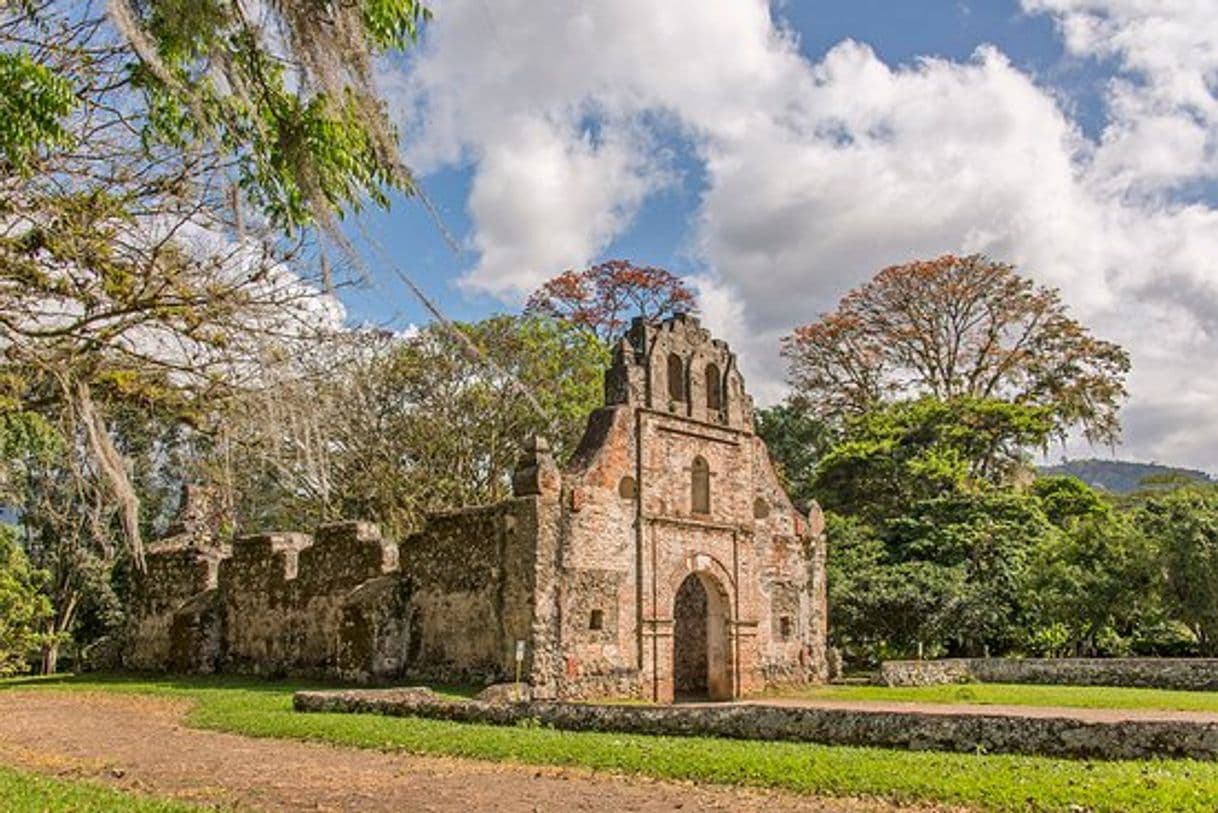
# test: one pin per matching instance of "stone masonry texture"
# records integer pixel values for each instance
(573, 583)
(969, 733)
(1196, 674)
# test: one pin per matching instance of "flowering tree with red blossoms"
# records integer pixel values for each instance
(958, 327)
(605, 297)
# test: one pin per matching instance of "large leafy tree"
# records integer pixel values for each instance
(987, 540)
(956, 327)
(1183, 525)
(605, 297)
(935, 529)
(391, 427)
(880, 605)
(888, 459)
(1095, 583)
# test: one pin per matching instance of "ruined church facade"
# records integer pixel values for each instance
(662, 561)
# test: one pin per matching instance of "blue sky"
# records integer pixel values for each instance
(899, 32)
(778, 155)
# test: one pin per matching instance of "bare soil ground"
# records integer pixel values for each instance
(140, 743)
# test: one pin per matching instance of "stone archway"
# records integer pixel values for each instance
(701, 654)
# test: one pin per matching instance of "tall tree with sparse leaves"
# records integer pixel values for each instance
(958, 327)
(605, 297)
(161, 162)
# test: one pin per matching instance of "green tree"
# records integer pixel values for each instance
(24, 609)
(953, 523)
(879, 606)
(989, 538)
(1183, 525)
(796, 440)
(391, 427)
(1095, 584)
(894, 456)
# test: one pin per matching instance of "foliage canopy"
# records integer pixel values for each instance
(957, 327)
(604, 297)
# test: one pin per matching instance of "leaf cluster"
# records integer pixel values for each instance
(24, 607)
(286, 90)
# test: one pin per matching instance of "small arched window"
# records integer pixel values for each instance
(676, 377)
(700, 486)
(714, 387)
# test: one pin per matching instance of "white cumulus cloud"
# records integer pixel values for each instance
(820, 172)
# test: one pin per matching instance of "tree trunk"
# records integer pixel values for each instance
(60, 624)
(50, 657)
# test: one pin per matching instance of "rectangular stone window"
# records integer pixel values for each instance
(786, 627)
(784, 611)
(593, 605)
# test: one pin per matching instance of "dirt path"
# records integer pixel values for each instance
(140, 743)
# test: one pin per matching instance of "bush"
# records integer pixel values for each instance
(23, 606)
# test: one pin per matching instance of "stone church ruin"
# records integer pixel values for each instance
(662, 561)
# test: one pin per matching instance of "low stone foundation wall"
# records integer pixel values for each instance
(974, 733)
(1198, 674)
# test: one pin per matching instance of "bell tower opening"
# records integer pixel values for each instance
(714, 388)
(676, 377)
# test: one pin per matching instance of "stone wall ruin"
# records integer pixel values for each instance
(579, 572)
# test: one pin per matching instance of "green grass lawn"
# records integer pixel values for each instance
(22, 792)
(1089, 697)
(987, 782)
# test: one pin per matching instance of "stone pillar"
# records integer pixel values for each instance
(536, 472)
(658, 659)
(819, 594)
(748, 677)
(538, 481)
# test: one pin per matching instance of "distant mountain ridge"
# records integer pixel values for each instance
(1121, 476)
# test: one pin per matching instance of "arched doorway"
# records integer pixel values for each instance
(701, 653)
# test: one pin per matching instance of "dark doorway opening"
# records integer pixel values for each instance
(690, 662)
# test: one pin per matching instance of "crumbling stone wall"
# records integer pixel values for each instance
(174, 619)
(1141, 736)
(1191, 674)
(474, 571)
(336, 603)
(258, 595)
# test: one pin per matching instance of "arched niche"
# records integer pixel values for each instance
(676, 377)
(714, 387)
(699, 475)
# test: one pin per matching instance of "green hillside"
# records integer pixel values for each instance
(1121, 476)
